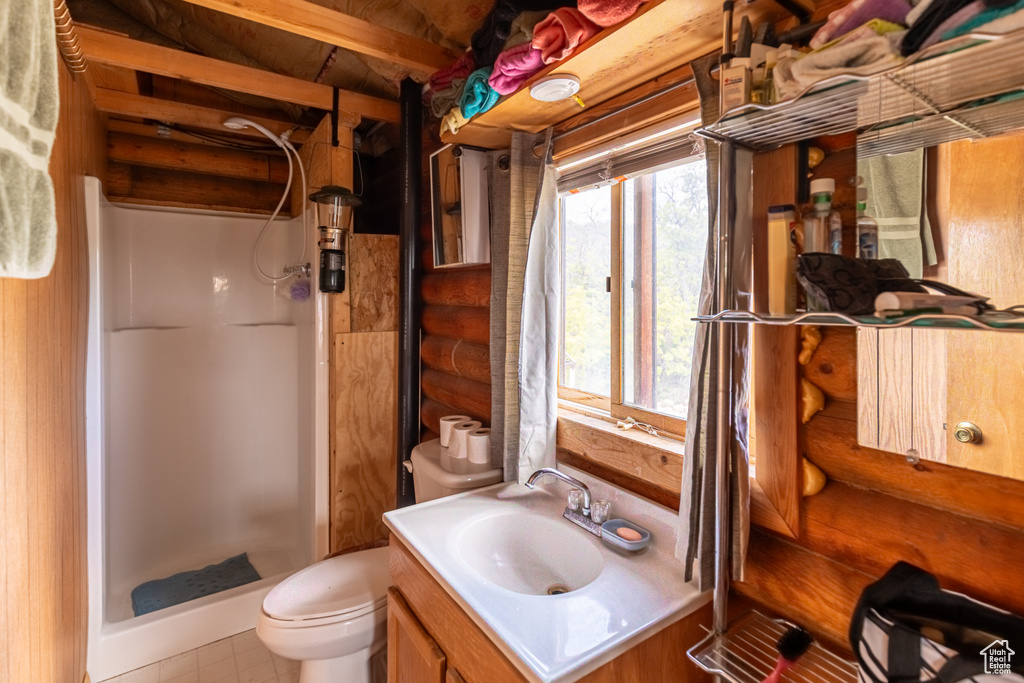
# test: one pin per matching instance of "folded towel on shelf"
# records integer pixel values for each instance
(29, 108)
(489, 39)
(461, 68)
(522, 27)
(478, 95)
(561, 33)
(453, 120)
(896, 200)
(919, 8)
(995, 20)
(936, 13)
(609, 12)
(864, 51)
(513, 67)
(442, 101)
(953, 21)
(856, 14)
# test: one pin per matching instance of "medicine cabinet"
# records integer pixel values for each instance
(460, 213)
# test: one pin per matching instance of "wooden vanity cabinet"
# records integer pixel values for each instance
(431, 639)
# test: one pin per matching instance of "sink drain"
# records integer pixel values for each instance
(557, 589)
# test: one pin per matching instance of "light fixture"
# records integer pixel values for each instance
(555, 88)
(334, 214)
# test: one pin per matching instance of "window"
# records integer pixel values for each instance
(632, 262)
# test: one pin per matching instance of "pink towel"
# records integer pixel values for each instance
(561, 33)
(514, 66)
(609, 12)
(463, 66)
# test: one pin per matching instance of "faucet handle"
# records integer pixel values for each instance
(575, 499)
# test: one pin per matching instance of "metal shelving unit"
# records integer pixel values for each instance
(968, 87)
(996, 322)
(746, 653)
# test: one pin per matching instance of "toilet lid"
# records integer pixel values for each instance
(346, 583)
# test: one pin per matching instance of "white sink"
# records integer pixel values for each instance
(530, 554)
(499, 550)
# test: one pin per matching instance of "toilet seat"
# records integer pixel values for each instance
(339, 589)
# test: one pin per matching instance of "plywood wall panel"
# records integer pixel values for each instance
(365, 368)
(373, 280)
(43, 597)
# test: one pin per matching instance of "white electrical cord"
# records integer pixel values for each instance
(289, 150)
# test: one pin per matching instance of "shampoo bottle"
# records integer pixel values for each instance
(823, 228)
(867, 228)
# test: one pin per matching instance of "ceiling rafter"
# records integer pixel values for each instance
(140, 106)
(335, 28)
(114, 50)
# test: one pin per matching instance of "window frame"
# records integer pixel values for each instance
(614, 404)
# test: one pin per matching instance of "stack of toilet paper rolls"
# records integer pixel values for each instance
(466, 438)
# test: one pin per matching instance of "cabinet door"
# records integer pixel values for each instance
(413, 656)
(452, 676)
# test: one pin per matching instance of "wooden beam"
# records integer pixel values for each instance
(329, 26)
(114, 50)
(161, 187)
(219, 161)
(126, 104)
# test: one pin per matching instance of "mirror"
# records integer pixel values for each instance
(955, 397)
(460, 215)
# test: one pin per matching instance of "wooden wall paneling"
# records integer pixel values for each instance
(619, 478)
(373, 279)
(458, 322)
(365, 372)
(114, 78)
(465, 395)
(164, 187)
(431, 412)
(458, 288)
(830, 369)
(775, 493)
(457, 357)
(140, 106)
(205, 159)
(43, 591)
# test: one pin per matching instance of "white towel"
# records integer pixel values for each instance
(29, 108)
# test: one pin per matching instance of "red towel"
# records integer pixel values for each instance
(609, 12)
(561, 32)
(513, 67)
(463, 66)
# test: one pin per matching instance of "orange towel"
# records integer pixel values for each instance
(561, 33)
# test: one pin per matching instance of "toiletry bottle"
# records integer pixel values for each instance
(823, 229)
(781, 260)
(867, 228)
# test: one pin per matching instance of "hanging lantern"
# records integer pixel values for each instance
(334, 214)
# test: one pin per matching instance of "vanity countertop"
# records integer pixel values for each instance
(617, 601)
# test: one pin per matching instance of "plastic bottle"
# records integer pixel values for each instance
(823, 228)
(867, 228)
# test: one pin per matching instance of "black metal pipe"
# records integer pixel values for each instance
(410, 305)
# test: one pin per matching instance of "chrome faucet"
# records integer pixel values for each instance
(579, 518)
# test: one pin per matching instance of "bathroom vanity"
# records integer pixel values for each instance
(470, 600)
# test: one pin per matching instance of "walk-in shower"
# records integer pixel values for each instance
(206, 421)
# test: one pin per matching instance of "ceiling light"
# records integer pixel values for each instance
(555, 88)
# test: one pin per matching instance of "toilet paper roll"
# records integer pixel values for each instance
(457, 444)
(478, 446)
(446, 427)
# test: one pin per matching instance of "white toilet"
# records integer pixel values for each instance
(332, 616)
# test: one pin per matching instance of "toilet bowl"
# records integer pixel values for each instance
(332, 616)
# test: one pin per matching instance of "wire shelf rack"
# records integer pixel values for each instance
(968, 87)
(999, 322)
(747, 653)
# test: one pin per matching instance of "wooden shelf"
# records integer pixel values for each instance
(996, 321)
(663, 35)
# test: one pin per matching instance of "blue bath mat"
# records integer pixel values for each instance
(174, 590)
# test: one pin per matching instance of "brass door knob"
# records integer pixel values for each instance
(967, 432)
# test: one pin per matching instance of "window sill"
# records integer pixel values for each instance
(652, 464)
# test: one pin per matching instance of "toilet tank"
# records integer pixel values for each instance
(436, 475)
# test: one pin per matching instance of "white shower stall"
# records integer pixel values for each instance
(206, 421)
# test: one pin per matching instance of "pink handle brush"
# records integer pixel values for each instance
(792, 646)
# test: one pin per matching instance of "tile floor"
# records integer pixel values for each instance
(239, 659)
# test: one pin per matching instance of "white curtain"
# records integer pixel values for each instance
(525, 294)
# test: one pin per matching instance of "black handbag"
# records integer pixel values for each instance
(906, 629)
